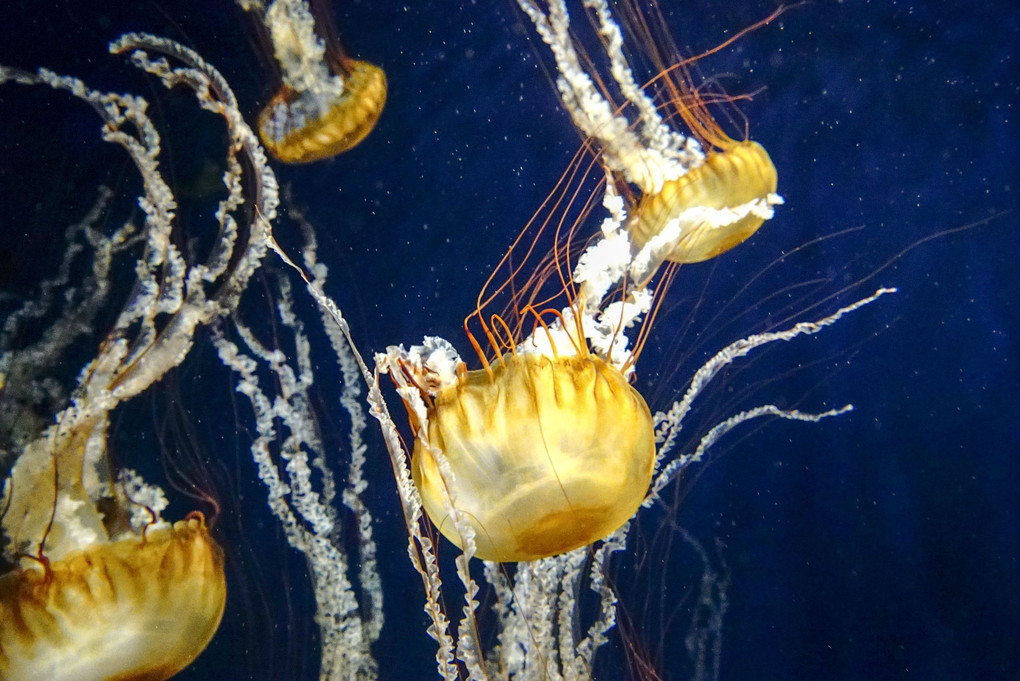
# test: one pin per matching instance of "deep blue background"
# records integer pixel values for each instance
(881, 545)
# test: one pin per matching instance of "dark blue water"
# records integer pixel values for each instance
(880, 545)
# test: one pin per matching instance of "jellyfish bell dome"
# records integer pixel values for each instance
(139, 608)
(548, 454)
(717, 205)
(327, 102)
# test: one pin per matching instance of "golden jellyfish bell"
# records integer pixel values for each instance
(717, 203)
(292, 136)
(548, 454)
(141, 608)
(327, 102)
(712, 201)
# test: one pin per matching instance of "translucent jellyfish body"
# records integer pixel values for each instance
(548, 455)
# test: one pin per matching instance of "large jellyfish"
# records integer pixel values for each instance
(100, 585)
(327, 102)
(550, 452)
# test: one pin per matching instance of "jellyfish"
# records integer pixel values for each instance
(327, 102)
(550, 452)
(100, 586)
(699, 194)
(548, 447)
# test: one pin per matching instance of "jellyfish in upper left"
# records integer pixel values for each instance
(326, 102)
(98, 585)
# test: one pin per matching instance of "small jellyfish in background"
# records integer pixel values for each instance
(327, 102)
(97, 584)
(699, 192)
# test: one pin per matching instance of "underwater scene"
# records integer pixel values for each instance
(523, 339)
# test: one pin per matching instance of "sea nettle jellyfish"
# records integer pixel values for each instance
(694, 192)
(549, 451)
(100, 586)
(326, 102)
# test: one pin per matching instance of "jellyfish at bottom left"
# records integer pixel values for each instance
(97, 584)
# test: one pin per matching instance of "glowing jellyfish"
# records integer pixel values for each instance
(549, 454)
(101, 587)
(546, 449)
(700, 193)
(327, 102)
